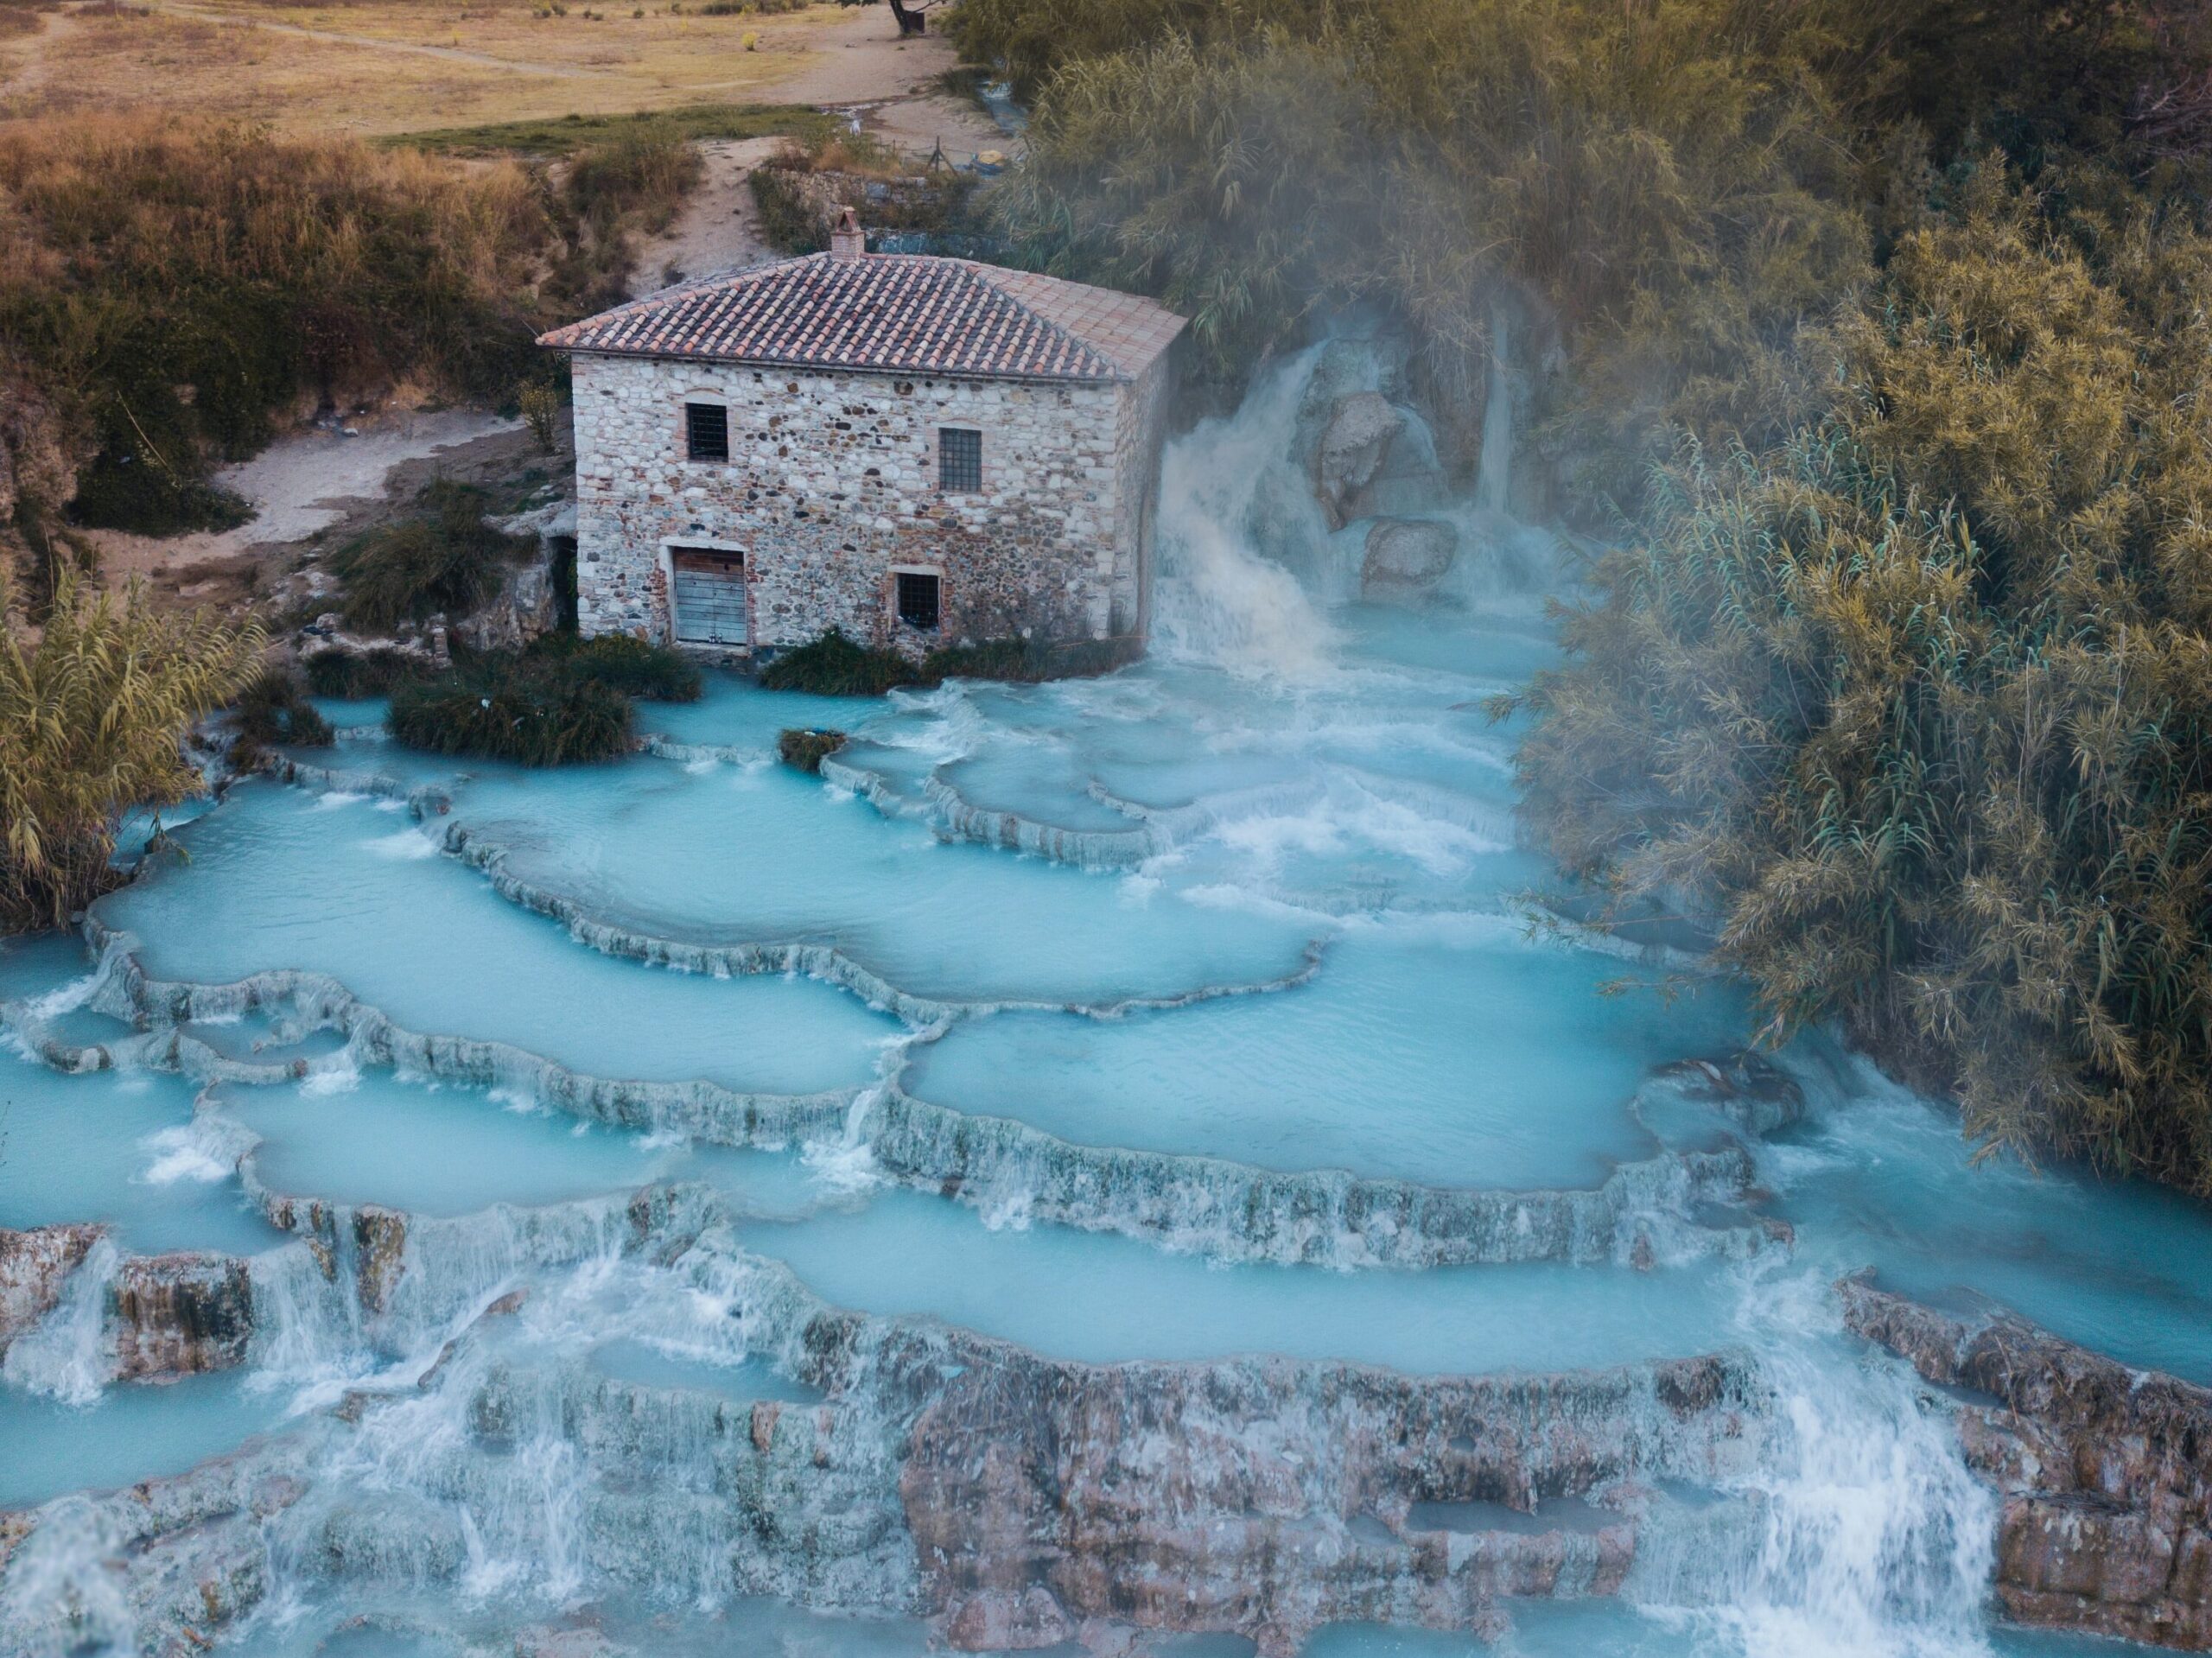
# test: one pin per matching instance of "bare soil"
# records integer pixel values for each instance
(312, 487)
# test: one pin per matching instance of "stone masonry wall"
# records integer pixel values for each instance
(832, 483)
(1140, 431)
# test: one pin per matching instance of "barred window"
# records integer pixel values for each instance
(959, 459)
(706, 431)
(919, 594)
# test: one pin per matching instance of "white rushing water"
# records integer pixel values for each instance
(1206, 1014)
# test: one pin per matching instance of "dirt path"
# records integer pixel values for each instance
(720, 227)
(862, 64)
(36, 66)
(859, 65)
(304, 483)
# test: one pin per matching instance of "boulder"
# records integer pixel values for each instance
(1406, 558)
(1351, 449)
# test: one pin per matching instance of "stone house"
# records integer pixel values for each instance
(915, 450)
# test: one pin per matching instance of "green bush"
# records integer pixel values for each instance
(443, 558)
(360, 673)
(510, 708)
(274, 711)
(834, 666)
(1917, 708)
(806, 747)
(1026, 661)
(121, 490)
(630, 665)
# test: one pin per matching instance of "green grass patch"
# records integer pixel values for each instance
(630, 665)
(562, 135)
(505, 708)
(360, 673)
(274, 711)
(834, 665)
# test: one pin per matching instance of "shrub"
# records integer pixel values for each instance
(1918, 707)
(509, 708)
(540, 405)
(644, 172)
(360, 673)
(91, 711)
(805, 748)
(630, 665)
(834, 666)
(1026, 661)
(274, 711)
(443, 558)
(169, 286)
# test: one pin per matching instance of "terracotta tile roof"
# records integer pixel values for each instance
(908, 313)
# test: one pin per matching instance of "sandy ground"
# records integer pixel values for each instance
(302, 485)
(861, 64)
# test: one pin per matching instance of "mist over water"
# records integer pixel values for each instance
(1208, 1015)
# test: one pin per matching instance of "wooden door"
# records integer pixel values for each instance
(708, 595)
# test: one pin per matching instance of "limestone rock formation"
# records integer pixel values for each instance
(1351, 450)
(180, 1314)
(523, 606)
(2106, 1471)
(1406, 559)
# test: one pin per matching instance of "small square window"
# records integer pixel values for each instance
(959, 459)
(706, 431)
(918, 599)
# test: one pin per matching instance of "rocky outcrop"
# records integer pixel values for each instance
(1406, 559)
(34, 1265)
(182, 1314)
(522, 606)
(1350, 450)
(2105, 1471)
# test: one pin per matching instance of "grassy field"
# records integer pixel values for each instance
(560, 136)
(381, 67)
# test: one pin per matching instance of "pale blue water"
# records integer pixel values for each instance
(281, 877)
(363, 1142)
(1452, 1051)
(116, 1146)
(130, 1434)
(1097, 1297)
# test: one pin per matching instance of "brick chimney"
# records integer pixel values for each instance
(847, 241)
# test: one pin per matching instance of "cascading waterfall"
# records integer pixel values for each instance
(1494, 470)
(65, 1355)
(1219, 601)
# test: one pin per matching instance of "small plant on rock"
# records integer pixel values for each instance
(806, 747)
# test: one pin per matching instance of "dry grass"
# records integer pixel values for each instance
(387, 67)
